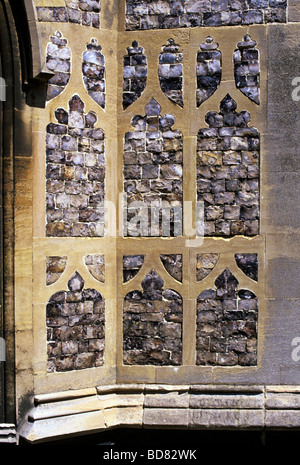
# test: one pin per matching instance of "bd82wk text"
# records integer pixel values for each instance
(171, 454)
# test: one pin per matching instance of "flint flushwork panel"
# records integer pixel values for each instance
(152, 173)
(227, 324)
(247, 68)
(131, 266)
(205, 263)
(75, 171)
(152, 324)
(84, 12)
(228, 172)
(134, 74)
(75, 328)
(173, 265)
(55, 266)
(170, 72)
(248, 263)
(208, 70)
(95, 264)
(93, 72)
(58, 61)
(170, 14)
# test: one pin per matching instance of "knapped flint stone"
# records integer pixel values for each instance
(52, 14)
(76, 283)
(76, 104)
(248, 264)
(152, 329)
(202, 13)
(226, 336)
(152, 282)
(173, 264)
(61, 115)
(59, 79)
(152, 108)
(226, 284)
(89, 5)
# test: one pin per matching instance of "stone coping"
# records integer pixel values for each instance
(158, 406)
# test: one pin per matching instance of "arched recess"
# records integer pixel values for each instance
(20, 68)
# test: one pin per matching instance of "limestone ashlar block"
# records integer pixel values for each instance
(282, 418)
(167, 400)
(227, 401)
(65, 408)
(282, 401)
(224, 418)
(166, 417)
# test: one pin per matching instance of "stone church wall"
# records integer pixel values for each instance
(165, 215)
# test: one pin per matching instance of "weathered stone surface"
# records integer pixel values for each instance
(75, 173)
(283, 419)
(282, 401)
(219, 418)
(167, 400)
(75, 328)
(166, 417)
